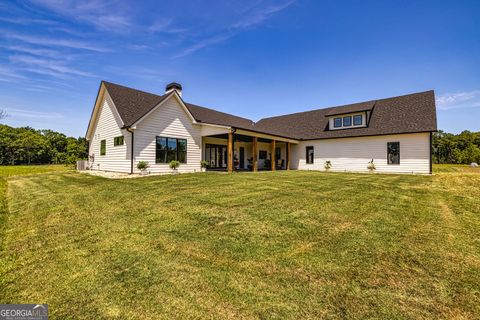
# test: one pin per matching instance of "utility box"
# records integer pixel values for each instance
(82, 165)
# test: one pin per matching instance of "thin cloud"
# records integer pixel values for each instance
(103, 15)
(466, 99)
(258, 15)
(253, 16)
(203, 44)
(33, 51)
(47, 67)
(66, 43)
(25, 113)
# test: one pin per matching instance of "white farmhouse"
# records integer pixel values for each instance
(129, 125)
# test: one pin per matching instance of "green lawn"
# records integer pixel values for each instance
(292, 244)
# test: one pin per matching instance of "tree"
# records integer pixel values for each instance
(3, 114)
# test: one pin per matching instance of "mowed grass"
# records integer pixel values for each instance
(295, 245)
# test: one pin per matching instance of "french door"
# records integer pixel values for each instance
(216, 156)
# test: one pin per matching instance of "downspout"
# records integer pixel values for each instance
(431, 151)
(131, 151)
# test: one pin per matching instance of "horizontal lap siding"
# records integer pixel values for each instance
(353, 154)
(107, 127)
(168, 120)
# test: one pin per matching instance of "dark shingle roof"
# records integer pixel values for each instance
(206, 115)
(404, 114)
(132, 104)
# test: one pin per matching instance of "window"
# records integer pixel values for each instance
(337, 122)
(278, 153)
(168, 149)
(118, 141)
(347, 121)
(262, 155)
(357, 120)
(309, 155)
(103, 147)
(393, 152)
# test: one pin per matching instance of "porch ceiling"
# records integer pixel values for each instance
(247, 136)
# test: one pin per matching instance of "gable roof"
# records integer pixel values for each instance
(132, 104)
(403, 114)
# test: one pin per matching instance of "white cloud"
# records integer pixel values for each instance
(203, 43)
(56, 42)
(104, 15)
(259, 14)
(48, 67)
(24, 113)
(467, 99)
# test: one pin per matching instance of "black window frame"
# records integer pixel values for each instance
(103, 147)
(343, 121)
(170, 154)
(335, 124)
(390, 145)
(358, 116)
(118, 141)
(307, 160)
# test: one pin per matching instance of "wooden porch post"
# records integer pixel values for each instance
(255, 154)
(288, 155)
(230, 152)
(273, 156)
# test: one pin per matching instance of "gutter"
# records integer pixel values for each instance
(131, 151)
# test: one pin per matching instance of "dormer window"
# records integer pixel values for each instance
(357, 120)
(346, 121)
(337, 123)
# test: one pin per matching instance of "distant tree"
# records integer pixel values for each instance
(26, 145)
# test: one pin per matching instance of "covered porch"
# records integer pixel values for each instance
(241, 150)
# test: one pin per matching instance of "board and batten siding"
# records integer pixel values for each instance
(168, 120)
(107, 127)
(353, 154)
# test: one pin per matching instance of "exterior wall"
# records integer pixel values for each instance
(168, 120)
(117, 158)
(353, 154)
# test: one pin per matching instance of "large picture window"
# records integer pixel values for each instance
(168, 149)
(393, 152)
(309, 154)
(103, 147)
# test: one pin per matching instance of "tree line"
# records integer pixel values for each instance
(463, 148)
(26, 145)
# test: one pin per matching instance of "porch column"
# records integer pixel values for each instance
(273, 156)
(254, 154)
(230, 152)
(288, 155)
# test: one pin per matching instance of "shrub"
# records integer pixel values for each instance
(371, 165)
(143, 165)
(327, 165)
(174, 164)
(204, 164)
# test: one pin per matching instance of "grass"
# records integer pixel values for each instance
(267, 245)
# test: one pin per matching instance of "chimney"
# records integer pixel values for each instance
(174, 86)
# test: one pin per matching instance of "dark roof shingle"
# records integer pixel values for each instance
(403, 114)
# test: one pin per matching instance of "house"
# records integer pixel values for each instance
(129, 125)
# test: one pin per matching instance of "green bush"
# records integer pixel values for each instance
(204, 164)
(174, 164)
(143, 165)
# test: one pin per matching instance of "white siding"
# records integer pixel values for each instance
(107, 127)
(353, 154)
(168, 120)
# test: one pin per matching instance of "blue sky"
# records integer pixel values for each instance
(252, 58)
